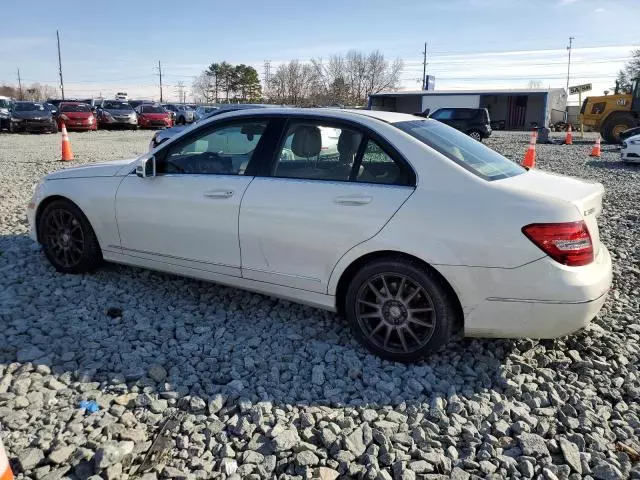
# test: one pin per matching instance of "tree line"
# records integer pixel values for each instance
(35, 92)
(225, 82)
(346, 79)
(631, 71)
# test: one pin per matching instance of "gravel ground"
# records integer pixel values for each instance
(193, 380)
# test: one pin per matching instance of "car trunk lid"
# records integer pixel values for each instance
(585, 196)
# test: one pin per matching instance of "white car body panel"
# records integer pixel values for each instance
(288, 238)
(187, 220)
(630, 151)
(293, 232)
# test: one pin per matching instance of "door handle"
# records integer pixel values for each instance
(219, 194)
(353, 200)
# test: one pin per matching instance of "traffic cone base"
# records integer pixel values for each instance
(596, 150)
(67, 153)
(5, 469)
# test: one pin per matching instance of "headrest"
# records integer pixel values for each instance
(307, 141)
(348, 142)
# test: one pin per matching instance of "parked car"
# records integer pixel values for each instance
(31, 117)
(475, 122)
(76, 116)
(411, 231)
(5, 115)
(203, 111)
(182, 114)
(164, 135)
(630, 150)
(136, 103)
(632, 132)
(114, 113)
(153, 116)
(122, 96)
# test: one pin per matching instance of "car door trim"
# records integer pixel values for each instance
(290, 275)
(145, 252)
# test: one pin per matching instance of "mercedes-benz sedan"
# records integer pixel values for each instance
(410, 229)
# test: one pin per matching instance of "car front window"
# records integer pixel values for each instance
(29, 107)
(462, 149)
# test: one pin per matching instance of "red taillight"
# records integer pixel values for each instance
(567, 243)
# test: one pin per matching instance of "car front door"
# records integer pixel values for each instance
(187, 214)
(330, 187)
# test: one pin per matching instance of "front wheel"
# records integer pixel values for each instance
(615, 124)
(399, 310)
(68, 239)
(475, 134)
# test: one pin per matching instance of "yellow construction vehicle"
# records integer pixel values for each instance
(612, 114)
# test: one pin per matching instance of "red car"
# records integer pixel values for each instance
(76, 116)
(153, 116)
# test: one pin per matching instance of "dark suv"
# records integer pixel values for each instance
(475, 122)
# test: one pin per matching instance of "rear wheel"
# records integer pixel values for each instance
(615, 124)
(68, 239)
(399, 310)
(475, 134)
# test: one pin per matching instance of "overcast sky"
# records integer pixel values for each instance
(472, 44)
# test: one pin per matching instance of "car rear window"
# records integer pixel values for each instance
(75, 108)
(117, 106)
(462, 149)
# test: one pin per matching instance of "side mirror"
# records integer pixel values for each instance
(146, 167)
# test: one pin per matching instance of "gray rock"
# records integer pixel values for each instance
(354, 442)
(533, 445)
(228, 466)
(606, 471)
(29, 458)
(307, 459)
(317, 375)
(286, 440)
(61, 454)
(325, 473)
(29, 354)
(571, 454)
(157, 373)
(112, 452)
(216, 403)
(421, 466)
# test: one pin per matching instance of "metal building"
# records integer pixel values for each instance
(508, 109)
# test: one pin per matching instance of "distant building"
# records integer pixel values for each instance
(508, 109)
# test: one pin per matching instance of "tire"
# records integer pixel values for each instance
(386, 314)
(615, 124)
(475, 134)
(12, 128)
(54, 129)
(61, 227)
(181, 121)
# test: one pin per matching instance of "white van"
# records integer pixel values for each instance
(122, 96)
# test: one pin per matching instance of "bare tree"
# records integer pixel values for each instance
(293, 83)
(533, 84)
(203, 88)
(181, 90)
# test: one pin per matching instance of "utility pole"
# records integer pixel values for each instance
(160, 73)
(571, 39)
(60, 65)
(20, 86)
(566, 113)
(424, 67)
(267, 77)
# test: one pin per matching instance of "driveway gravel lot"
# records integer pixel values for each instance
(194, 380)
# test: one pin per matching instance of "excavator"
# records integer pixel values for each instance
(612, 114)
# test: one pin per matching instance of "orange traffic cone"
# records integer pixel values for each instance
(67, 153)
(568, 139)
(529, 160)
(595, 151)
(5, 469)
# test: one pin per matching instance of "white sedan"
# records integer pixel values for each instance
(411, 230)
(630, 151)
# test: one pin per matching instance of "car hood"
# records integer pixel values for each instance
(118, 113)
(77, 115)
(32, 114)
(106, 169)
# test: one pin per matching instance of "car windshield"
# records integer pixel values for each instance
(117, 106)
(4, 103)
(75, 108)
(29, 107)
(462, 149)
(153, 109)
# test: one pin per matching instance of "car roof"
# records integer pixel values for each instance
(337, 113)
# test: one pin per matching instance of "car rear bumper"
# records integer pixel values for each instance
(542, 299)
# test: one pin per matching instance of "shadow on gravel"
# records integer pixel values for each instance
(184, 337)
(614, 165)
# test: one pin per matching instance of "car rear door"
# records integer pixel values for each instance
(319, 198)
